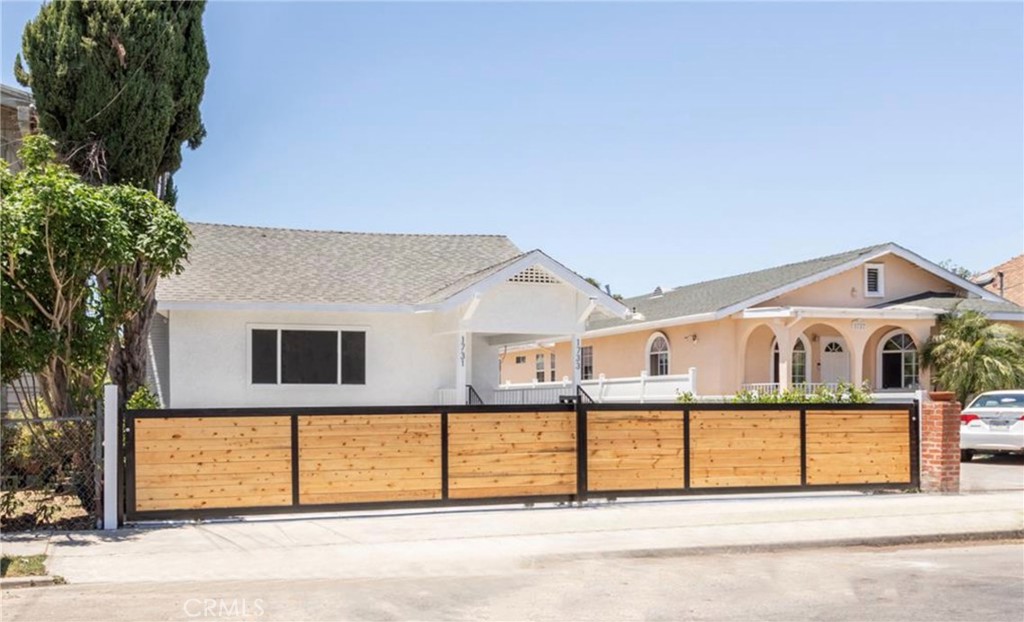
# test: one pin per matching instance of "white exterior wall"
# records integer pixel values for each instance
(406, 361)
(528, 308)
(484, 370)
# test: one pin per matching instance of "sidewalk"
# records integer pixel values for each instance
(484, 541)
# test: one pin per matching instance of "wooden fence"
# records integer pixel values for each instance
(183, 463)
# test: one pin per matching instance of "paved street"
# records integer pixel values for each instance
(635, 559)
(983, 581)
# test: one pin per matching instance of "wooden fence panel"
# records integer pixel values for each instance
(858, 447)
(740, 448)
(511, 454)
(364, 458)
(635, 450)
(212, 462)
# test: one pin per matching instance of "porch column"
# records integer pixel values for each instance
(577, 360)
(785, 341)
(857, 365)
(463, 364)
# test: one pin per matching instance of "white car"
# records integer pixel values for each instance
(993, 423)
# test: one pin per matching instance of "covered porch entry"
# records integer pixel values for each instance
(806, 349)
(531, 298)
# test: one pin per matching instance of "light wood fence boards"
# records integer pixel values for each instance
(738, 448)
(184, 463)
(364, 458)
(212, 462)
(635, 450)
(511, 454)
(858, 447)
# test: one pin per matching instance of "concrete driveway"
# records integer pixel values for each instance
(988, 473)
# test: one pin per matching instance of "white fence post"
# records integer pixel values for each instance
(693, 381)
(110, 457)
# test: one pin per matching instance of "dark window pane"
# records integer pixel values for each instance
(309, 357)
(353, 357)
(264, 357)
(892, 370)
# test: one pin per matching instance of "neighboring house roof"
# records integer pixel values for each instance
(1006, 279)
(948, 303)
(11, 96)
(721, 297)
(231, 263)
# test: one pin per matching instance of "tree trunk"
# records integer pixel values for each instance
(129, 354)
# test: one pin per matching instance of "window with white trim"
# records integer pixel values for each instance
(900, 367)
(658, 356)
(874, 280)
(798, 369)
(520, 359)
(539, 367)
(307, 356)
(587, 362)
(553, 371)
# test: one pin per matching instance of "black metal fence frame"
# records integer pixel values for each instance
(580, 406)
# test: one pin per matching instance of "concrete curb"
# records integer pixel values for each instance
(879, 542)
(18, 582)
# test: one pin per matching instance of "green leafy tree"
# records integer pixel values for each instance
(971, 354)
(60, 237)
(957, 269)
(118, 85)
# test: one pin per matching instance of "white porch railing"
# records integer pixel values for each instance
(533, 392)
(642, 388)
(773, 387)
(451, 396)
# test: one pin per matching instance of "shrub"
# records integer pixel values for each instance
(844, 393)
(143, 399)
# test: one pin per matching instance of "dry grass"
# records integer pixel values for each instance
(22, 566)
(67, 513)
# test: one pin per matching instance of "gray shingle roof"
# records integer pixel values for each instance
(711, 296)
(948, 303)
(231, 263)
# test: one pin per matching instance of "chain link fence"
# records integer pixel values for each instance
(50, 472)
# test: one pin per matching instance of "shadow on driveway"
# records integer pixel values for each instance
(989, 473)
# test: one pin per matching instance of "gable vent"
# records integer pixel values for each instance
(534, 274)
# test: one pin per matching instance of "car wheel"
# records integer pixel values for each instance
(966, 455)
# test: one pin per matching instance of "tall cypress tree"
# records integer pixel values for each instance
(117, 83)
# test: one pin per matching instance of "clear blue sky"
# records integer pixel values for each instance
(642, 144)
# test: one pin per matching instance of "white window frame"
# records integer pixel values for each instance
(320, 327)
(807, 357)
(881, 350)
(539, 370)
(668, 353)
(881, 280)
(584, 351)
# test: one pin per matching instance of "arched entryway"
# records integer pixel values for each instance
(892, 359)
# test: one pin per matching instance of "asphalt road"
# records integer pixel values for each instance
(981, 581)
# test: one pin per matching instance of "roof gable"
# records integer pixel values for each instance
(534, 267)
(722, 297)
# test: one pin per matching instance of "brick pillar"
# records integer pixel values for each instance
(940, 444)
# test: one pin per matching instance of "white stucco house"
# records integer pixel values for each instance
(285, 317)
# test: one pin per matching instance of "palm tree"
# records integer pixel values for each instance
(971, 354)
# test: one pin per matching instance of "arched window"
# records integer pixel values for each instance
(898, 364)
(658, 355)
(798, 373)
